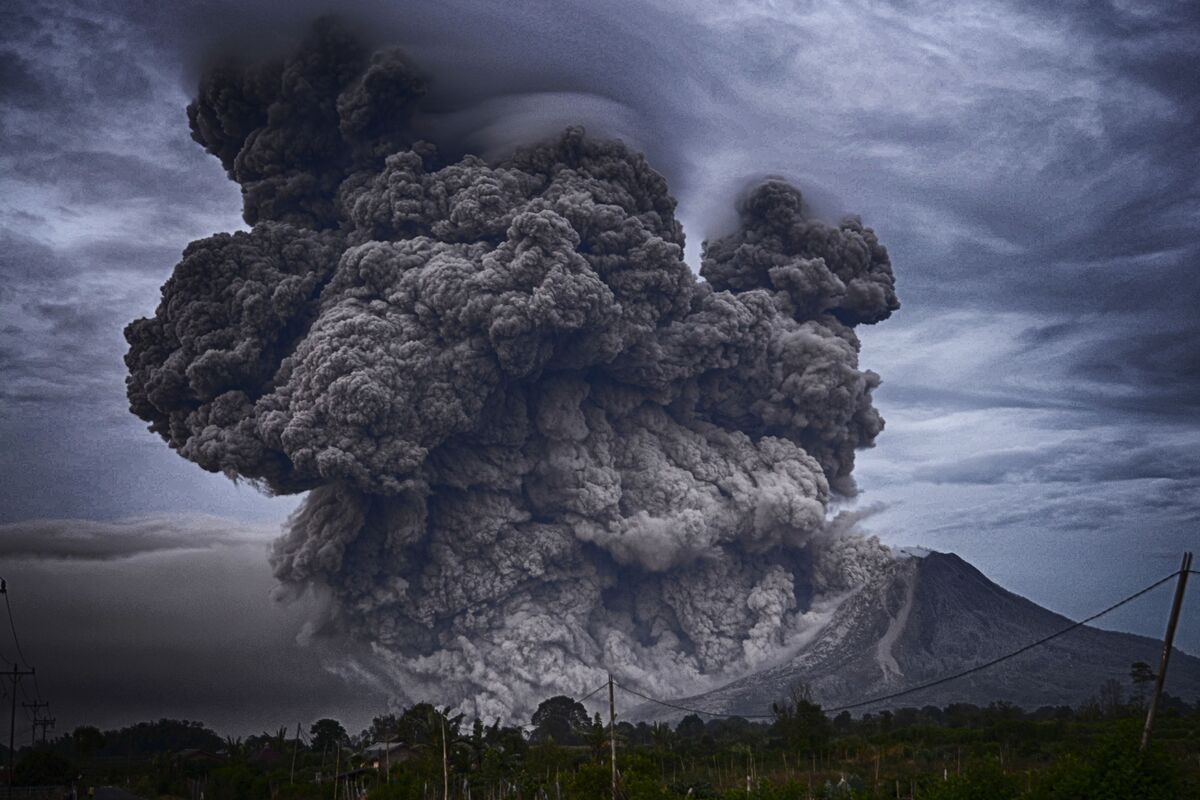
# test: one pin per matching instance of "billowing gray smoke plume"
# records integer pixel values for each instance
(535, 446)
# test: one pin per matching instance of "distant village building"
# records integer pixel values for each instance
(385, 754)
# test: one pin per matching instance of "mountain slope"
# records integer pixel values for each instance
(932, 615)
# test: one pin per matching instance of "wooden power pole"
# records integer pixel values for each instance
(34, 726)
(1168, 641)
(15, 677)
(445, 763)
(612, 733)
(45, 722)
(337, 767)
(295, 748)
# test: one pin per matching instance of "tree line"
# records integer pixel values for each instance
(426, 752)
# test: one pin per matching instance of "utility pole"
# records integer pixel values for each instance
(445, 763)
(337, 767)
(44, 722)
(612, 733)
(15, 676)
(1168, 641)
(295, 747)
(33, 727)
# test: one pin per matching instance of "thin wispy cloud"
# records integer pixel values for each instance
(93, 540)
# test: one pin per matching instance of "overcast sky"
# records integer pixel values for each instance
(1035, 175)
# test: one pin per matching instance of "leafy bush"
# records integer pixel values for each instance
(43, 768)
(984, 781)
(403, 786)
(1113, 770)
(238, 782)
(302, 791)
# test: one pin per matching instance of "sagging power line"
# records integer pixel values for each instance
(592, 692)
(12, 625)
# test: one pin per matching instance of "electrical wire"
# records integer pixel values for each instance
(1007, 656)
(593, 691)
(693, 710)
(937, 682)
(17, 641)
(4, 591)
(13, 627)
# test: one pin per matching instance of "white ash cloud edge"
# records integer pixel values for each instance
(536, 447)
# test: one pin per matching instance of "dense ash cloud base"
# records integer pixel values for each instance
(535, 446)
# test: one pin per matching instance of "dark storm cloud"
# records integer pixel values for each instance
(111, 149)
(20, 83)
(1115, 230)
(1070, 462)
(1099, 507)
(1162, 364)
(24, 260)
(85, 158)
(90, 177)
(59, 327)
(1074, 184)
(1152, 371)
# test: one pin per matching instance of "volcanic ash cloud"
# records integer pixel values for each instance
(535, 447)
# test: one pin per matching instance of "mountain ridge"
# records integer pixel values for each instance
(929, 615)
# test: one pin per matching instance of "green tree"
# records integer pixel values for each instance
(801, 722)
(236, 750)
(43, 768)
(690, 727)
(597, 738)
(662, 736)
(1143, 678)
(561, 718)
(421, 726)
(327, 734)
(384, 728)
(163, 736)
(86, 739)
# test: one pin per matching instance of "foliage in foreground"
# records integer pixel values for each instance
(960, 752)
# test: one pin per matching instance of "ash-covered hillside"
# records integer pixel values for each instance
(927, 616)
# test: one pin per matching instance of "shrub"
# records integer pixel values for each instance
(984, 781)
(1114, 769)
(42, 768)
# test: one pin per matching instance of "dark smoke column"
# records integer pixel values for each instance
(535, 446)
